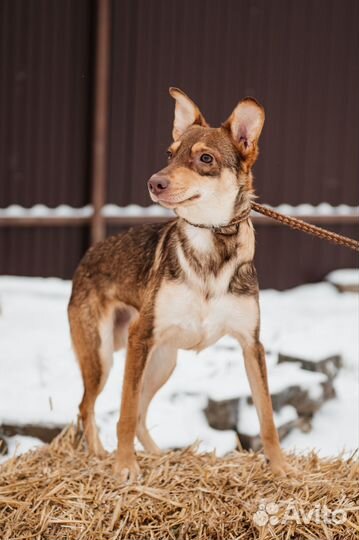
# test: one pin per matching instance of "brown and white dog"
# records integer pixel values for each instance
(178, 285)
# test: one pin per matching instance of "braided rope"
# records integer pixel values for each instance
(300, 225)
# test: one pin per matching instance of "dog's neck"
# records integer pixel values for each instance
(207, 249)
(239, 212)
(204, 254)
(228, 230)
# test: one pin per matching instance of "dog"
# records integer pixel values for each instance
(179, 285)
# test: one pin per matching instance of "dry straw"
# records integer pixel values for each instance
(59, 492)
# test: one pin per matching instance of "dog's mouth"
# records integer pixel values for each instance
(174, 203)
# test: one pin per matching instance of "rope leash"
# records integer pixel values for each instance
(300, 225)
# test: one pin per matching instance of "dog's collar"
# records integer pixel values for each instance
(228, 230)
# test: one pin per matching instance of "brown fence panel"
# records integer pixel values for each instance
(286, 258)
(299, 58)
(39, 251)
(45, 100)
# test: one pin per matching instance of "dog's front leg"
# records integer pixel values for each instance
(255, 362)
(138, 349)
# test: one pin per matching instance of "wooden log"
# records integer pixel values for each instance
(305, 401)
(3, 447)
(223, 414)
(254, 442)
(329, 365)
(354, 287)
(45, 433)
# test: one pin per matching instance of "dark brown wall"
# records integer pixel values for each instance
(299, 58)
(45, 100)
(45, 92)
(41, 251)
(286, 258)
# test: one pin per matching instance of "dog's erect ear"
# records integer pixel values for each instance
(186, 113)
(245, 124)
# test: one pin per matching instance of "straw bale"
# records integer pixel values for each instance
(58, 492)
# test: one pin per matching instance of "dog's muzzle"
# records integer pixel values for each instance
(157, 184)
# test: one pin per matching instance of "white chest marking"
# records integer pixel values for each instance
(186, 320)
(200, 239)
(214, 285)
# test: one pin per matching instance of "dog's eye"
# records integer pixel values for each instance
(169, 154)
(206, 158)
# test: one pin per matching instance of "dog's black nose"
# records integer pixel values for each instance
(157, 184)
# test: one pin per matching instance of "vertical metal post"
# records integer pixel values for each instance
(100, 124)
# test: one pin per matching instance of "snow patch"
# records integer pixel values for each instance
(248, 419)
(134, 210)
(19, 444)
(37, 363)
(40, 210)
(345, 276)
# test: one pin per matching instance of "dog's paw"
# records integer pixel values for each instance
(126, 469)
(99, 453)
(96, 449)
(283, 469)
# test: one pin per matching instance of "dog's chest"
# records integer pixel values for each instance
(197, 311)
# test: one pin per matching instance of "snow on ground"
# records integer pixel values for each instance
(344, 276)
(40, 381)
